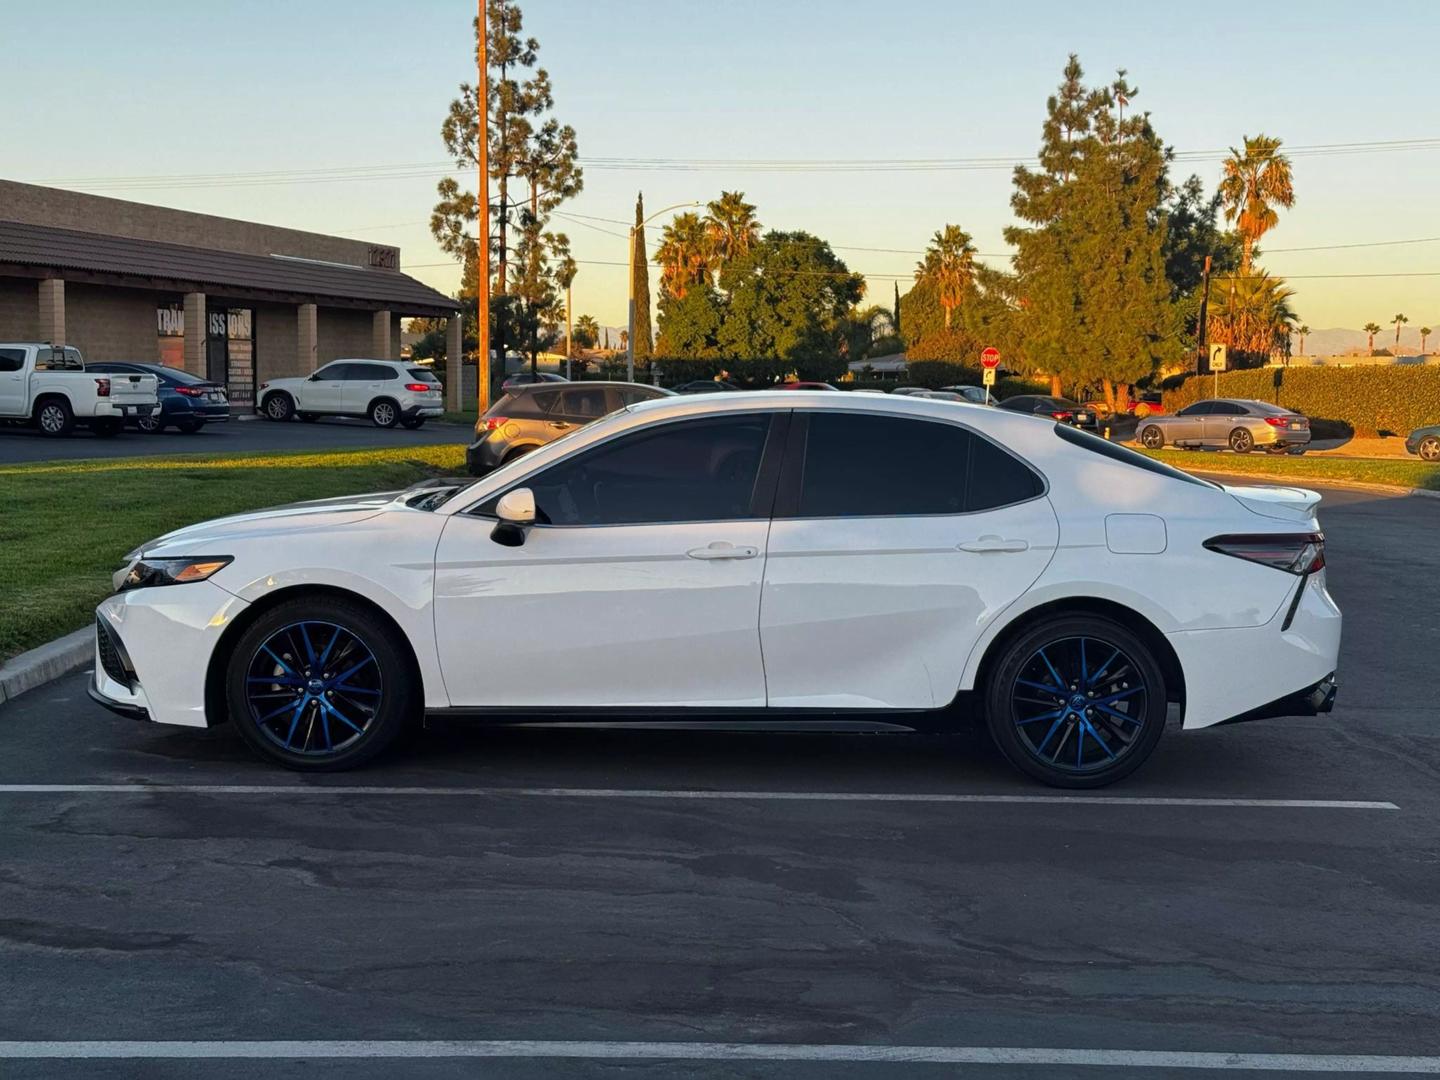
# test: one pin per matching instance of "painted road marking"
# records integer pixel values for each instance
(687, 1051)
(303, 790)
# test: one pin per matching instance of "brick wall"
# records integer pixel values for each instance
(343, 333)
(276, 340)
(19, 309)
(113, 324)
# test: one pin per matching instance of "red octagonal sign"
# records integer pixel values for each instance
(990, 357)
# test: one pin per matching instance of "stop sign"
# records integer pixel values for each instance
(990, 357)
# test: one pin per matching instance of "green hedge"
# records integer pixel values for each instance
(1369, 400)
(938, 373)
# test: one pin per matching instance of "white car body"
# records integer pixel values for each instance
(353, 387)
(32, 373)
(891, 618)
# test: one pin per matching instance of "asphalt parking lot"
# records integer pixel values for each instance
(18, 444)
(603, 903)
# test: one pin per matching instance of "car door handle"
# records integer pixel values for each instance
(561, 424)
(993, 543)
(722, 549)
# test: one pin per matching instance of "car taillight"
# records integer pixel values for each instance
(419, 387)
(1295, 553)
(1276, 421)
(189, 391)
(102, 387)
(494, 423)
(1061, 415)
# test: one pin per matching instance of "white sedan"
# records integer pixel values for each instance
(842, 561)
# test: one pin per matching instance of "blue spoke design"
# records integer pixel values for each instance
(1120, 715)
(1053, 673)
(1080, 744)
(295, 722)
(334, 638)
(1097, 726)
(1084, 675)
(325, 725)
(271, 716)
(283, 666)
(1103, 668)
(309, 649)
(357, 667)
(1101, 702)
(346, 689)
(1043, 716)
(1096, 736)
(277, 680)
(1041, 686)
(333, 711)
(1049, 734)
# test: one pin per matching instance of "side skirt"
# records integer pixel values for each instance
(709, 719)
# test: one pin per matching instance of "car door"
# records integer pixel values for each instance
(638, 587)
(896, 541)
(324, 392)
(1188, 425)
(364, 383)
(1220, 420)
(12, 382)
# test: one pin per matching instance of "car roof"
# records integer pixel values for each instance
(529, 388)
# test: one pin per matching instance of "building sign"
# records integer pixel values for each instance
(233, 324)
(384, 258)
(170, 321)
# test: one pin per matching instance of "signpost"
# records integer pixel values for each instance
(990, 361)
(1217, 365)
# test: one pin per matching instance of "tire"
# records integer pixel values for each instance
(518, 452)
(384, 413)
(1151, 437)
(54, 417)
(150, 425)
(308, 417)
(344, 714)
(106, 429)
(1430, 448)
(1241, 441)
(279, 406)
(1109, 743)
(190, 427)
(415, 423)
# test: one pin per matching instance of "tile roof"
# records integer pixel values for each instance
(68, 249)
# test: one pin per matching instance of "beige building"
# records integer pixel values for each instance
(234, 301)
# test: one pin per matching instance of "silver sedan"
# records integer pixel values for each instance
(1238, 423)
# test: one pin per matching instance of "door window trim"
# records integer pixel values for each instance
(787, 498)
(762, 498)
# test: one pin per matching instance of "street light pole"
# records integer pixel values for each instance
(482, 213)
(630, 331)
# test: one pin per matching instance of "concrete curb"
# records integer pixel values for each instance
(47, 663)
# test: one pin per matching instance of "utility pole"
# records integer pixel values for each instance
(569, 330)
(502, 283)
(630, 332)
(1202, 355)
(482, 213)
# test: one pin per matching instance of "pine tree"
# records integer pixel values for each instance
(640, 285)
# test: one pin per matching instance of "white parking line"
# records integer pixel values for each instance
(303, 790)
(686, 1051)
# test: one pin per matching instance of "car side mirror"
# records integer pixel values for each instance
(516, 511)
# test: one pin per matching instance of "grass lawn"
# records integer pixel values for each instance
(64, 526)
(1411, 473)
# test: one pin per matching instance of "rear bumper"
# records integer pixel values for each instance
(105, 410)
(481, 457)
(1311, 701)
(1282, 437)
(426, 411)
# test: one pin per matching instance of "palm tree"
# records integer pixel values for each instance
(684, 254)
(1253, 316)
(1372, 329)
(949, 266)
(1399, 321)
(1253, 184)
(860, 327)
(731, 226)
(1424, 337)
(1302, 331)
(587, 331)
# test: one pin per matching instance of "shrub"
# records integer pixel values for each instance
(1369, 399)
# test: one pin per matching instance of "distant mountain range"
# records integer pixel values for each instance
(1337, 341)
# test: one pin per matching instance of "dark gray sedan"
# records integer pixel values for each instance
(1238, 423)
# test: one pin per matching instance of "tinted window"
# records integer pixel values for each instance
(12, 359)
(588, 404)
(540, 403)
(48, 359)
(697, 470)
(1264, 408)
(369, 373)
(420, 374)
(176, 375)
(1200, 408)
(1105, 448)
(888, 466)
(629, 395)
(1225, 408)
(332, 371)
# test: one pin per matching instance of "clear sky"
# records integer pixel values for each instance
(172, 88)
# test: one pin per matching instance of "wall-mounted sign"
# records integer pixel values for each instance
(170, 321)
(384, 258)
(233, 324)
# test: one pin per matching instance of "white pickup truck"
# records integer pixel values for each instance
(48, 386)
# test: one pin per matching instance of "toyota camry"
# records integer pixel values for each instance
(799, 559)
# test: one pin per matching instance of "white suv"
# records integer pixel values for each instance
(389, 392)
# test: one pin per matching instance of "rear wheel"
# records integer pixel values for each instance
(384, 413)
(151, 425)
(1430, 448)
(279, 406)
(1076, 702)
(519, 451)
(1241, 441)
(1152, 438)
(190, 427)
(320, 685)
(54, 417)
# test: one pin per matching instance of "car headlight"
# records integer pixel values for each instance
(148, 573)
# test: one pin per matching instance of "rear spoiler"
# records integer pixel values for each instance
(1284, 503)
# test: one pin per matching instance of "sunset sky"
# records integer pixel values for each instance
(191, 98)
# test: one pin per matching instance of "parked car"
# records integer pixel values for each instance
(528, 378)
(905, 391)
(1239, 423)
(805, 386)
(50, 387)
(687, 554)
(1148, 403)
(1055, 408)
(705, 386)
(389, 392)
(976, 395)
(527, 417)
(1425, 442)
(186, 401)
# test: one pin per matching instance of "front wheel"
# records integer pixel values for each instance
(54, 417)
(279, 407)
(1241, 441)
(320, 685)
(1152, 438)
(1430, 448)
(1076, 702)
(384, 413)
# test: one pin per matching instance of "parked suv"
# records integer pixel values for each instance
(1239, 423)
(526, 417)
(389, 392)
